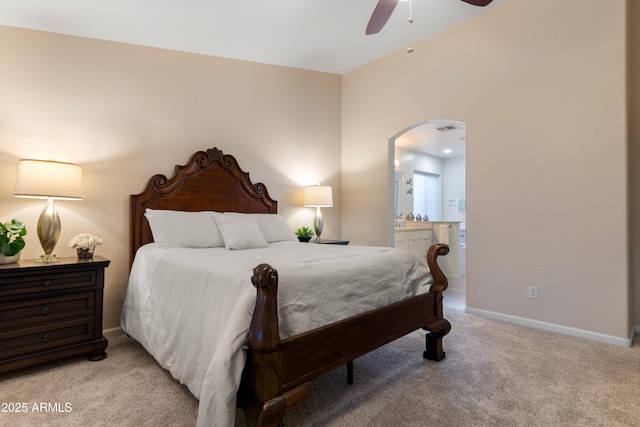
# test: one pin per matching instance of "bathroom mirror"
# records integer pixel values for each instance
(398, 197)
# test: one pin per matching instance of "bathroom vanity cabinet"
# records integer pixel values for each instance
(415, 240)
(416, 237)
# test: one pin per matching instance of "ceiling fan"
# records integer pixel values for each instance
(384, 8)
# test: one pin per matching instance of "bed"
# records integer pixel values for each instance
(273, 359)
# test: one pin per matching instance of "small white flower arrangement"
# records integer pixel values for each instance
(84, 241)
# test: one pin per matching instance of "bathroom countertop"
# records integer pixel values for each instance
(404, 225)
(412, 228)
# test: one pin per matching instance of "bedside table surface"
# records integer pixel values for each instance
(330, 242)
(32, 263)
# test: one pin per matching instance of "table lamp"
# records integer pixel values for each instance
(318, 196)
(44, 179)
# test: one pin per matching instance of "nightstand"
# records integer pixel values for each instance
(331, 242)
(51, 311)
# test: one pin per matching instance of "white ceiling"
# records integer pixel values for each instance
(320, 35)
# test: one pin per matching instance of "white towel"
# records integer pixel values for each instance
(443, 233)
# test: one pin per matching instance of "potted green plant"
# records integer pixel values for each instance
(11, 241)
(304, 234)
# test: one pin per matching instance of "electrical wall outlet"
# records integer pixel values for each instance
(533, 292)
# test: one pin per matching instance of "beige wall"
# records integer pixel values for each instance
(125, 113)
(539, 83)
(541, 87)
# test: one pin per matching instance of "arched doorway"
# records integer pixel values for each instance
(429, 157)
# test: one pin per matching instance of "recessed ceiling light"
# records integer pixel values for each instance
(447, 151)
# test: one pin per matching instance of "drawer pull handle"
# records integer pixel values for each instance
(45, 309)
(45, 337)
(46, 283)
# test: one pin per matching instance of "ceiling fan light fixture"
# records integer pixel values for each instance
(384, 9)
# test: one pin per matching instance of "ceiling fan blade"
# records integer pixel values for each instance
(380, 15)
(478, 2)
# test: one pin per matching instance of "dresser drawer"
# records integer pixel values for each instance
(19, 284)
(18, 314)
(43, 337)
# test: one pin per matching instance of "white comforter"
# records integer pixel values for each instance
(191, 308)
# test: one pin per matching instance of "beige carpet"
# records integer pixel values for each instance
(495, 374)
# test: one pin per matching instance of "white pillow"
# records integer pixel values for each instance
(275, 228)
(184, 229)
(240, 231)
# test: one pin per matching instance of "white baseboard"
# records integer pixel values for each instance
(595, 336)
(112, 332)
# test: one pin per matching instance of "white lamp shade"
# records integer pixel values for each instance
(318, 196)
(43, 179)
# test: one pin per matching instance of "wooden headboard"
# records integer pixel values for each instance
(210, 181)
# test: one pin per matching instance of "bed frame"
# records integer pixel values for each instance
(278, 371)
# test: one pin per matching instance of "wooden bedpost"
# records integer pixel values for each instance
(268, 404)
(264, 335)
(441, 326)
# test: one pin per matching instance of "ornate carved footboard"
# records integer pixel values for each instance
(279, 371)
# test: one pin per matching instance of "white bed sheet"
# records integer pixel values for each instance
(191, 308)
